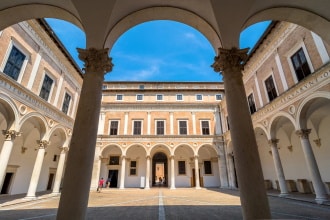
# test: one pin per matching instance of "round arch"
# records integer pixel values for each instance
(9, 109)
(275, 120)
(208, 148)
(135, 145)
(188, 146)
(39, 121)
(160, 148)
(57, 134)
(307, 19)
(23, 12)
(305, 105)
(111, 146)
(162, 13)
(263, 129)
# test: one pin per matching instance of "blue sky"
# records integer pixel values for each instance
(157, 51)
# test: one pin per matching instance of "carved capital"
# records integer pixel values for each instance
(230, 60)
(95, 60)
(273, 142)
(42, 144)
(148, 157)
(63, 149)
(303, 133)
(10, 135)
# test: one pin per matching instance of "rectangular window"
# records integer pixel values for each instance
(66, 103)
(199, 97)
(218, 97)
(251, 103)
(160, 127)
(104, 86)
(183, 130)
(270, 87)
(205, 127)
(141, 87)
(159, 97)
(137, 127)
(119, 97)
(139, 97)
(14, 63)
(55, 158)
(132, 170)
(207, 167)
(114, 127)
(114, 160)
(182, 167)
(46, 87)
(179, 97)
(300, 64)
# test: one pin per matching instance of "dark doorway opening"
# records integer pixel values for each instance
(193, 178)
(6, 183)
(113, 176)
(159, 170)
(50, 181)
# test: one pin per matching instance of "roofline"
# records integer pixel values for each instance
(160, 82)
(43, 23)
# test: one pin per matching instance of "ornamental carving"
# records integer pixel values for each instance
(10, 135)
(273, 142)
(95, 60)
(42, 144)
(231, 60)
(303, 133)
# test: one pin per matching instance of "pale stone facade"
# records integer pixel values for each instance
(292, 129)
(174, 125)
(39, 94)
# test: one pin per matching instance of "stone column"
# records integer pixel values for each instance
(31, 194)
(232, 175)
(222, 167)
(74, 197)
(278, 167)
(122, 172)
(250, 178)
(7, 147)
(172, 173)
(320, 192)
(59, 171)
(198, 185)
(148, 173)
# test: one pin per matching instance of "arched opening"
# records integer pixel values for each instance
(159, 170)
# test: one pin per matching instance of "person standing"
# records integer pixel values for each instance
(100, 186)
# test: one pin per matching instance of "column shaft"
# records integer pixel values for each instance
(223, 170)
(172, 173)
(320, 192)
(59, 172)
(147, 186)
(278, 168)
(198, 185)
(122, 172)
(250, 178)
(74, 197)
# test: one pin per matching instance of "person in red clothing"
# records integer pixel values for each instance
(100, 186)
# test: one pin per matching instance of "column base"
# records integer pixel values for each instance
(198, 187)
(55, 193)
(30, 198)
(224, 187)
(146, 187)
(283, 195)
(172, 187)
(121, 187)
(321, 201)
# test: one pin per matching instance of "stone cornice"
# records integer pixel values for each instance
(28, 98)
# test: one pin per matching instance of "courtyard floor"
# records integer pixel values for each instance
(163, 203)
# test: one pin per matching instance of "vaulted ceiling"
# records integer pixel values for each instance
(221, 21)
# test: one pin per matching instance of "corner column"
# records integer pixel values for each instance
(222, 167)
(7, 147)
(59, 171)
(320, 192)
(148, 173)
(250, 178)
(122, 172)
(198, 184)
(74, 197)
(278, 167)
(31, 194)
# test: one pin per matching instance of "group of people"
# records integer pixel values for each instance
(101, 184)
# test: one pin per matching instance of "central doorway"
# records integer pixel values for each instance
(159, 170)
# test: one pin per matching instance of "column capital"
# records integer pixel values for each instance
(230, 59)
(273, 141)
(123, 157)
(10, 135)
(42, 144)
(172, 157)
(196, 157)
(96, 60)
(148, 157)
(63, 149)
(303, 133)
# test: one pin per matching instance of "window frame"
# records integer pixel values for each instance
(179, 128)
(14, 43)
(141, 128)
(185, 168)
(254, 103)
(156, 126)
(216, 95)
(70, 102)
(205, 173)
(199, 95)
(118, 125)
(142, 97)
(133, 168)
(160, 95)
(46, 73)
(265, 87)
(201, 126)
(119, 95)
(180, 100)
